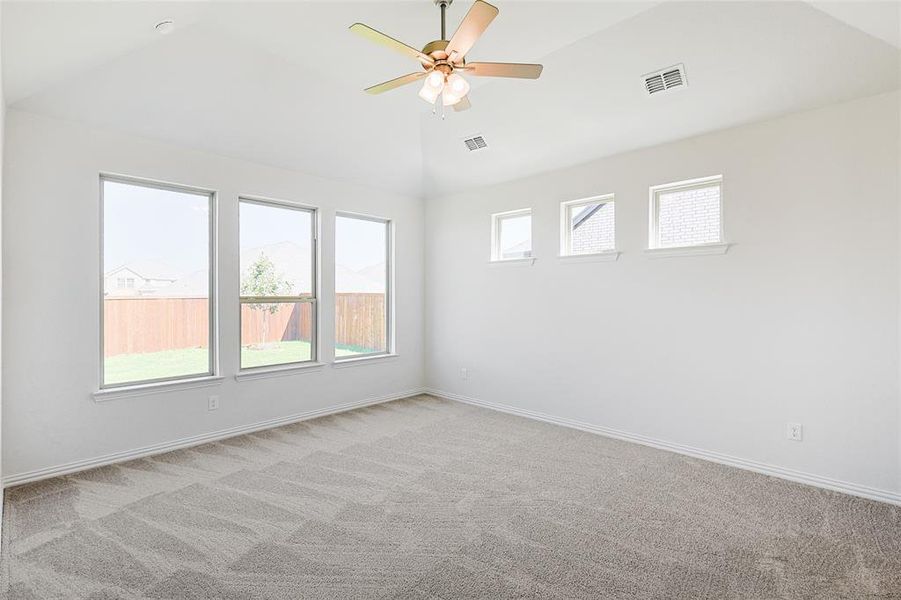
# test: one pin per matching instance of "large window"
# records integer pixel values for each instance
(362, 286)
(157, 282)
(588, 226)
(278, 283)
(511, 235)
(687, 213)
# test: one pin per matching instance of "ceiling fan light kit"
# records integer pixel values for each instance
(443, 60)
(432, 87)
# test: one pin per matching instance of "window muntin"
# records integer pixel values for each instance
(588, 226)
(362, 286)
(160, 330)
(686, 214)
(511, 235)
(278, 283)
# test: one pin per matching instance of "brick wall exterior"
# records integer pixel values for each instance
(597, 233)
(688, 217)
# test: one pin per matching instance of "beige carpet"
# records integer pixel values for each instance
(425, 498)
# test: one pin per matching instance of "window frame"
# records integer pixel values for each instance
(566, 230)
(313, 299)
(390, 349)
(654, 193)
(496, 220)
(212, 241)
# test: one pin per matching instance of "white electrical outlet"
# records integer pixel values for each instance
(464, 373)
(794, 432)
(214, 403)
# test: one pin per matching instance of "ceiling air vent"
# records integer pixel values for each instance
(476, 142)
(665, 79)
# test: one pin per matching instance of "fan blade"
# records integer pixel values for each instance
(470, 30)
(396, 83)
(389, 42)
(463, 104)
(518, 70)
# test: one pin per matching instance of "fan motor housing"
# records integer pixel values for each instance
(436, 49)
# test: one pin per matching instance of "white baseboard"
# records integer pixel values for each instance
(766, 469)
(783, 473)
(196, 440)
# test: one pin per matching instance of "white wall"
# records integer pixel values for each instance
(2, 138)
(798, 322)
(51, 312)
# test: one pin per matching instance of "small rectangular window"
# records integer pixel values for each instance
(511, 235)
(588, 226)
(163, 234)
(362, 286)
(278, 283)
(687, 213)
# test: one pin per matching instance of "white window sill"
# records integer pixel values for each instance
(700, 250)
(359, 361)
(512, 262)
(278, 371)
(161, 387)
(596, 257)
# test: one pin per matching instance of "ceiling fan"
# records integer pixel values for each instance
(443, 60)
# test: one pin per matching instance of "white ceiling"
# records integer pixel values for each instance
(280, 83)
(879, 19)
(744, 62)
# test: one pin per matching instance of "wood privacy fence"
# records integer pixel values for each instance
(360, 321)
(286, 322)
(139, 325)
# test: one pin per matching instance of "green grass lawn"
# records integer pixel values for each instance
(156, 365)
(276, 353)
(195, 361)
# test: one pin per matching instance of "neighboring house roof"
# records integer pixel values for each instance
(192, 285)
(121, 272)
(586, 213)
(375, 273)
(368, 280)
(147, 269)
(291, 261)
(521, 248)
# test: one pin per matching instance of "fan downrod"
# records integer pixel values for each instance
(443, 4)
(436, 48)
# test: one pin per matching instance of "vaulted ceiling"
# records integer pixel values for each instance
(281, 83)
